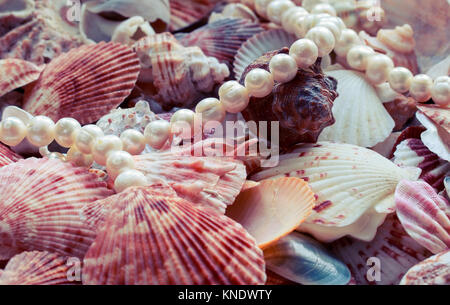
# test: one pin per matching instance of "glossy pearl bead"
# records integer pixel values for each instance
(378, 68)
(78, 158)
(85, 136)
(129, 178)
(41, 131)
(183, 123)
(157, 133)
(332, 27)
(259, 82)
(103, 146)
(65, 131)
(441, 91)
(118, 162)
(288, 18)
(348, 39)
(211, 109)
(12, 131)
(234, 96)
(133, 141)
(324, 8)
(323, 38)
(400, 79)
(283, 68)
(304, 52)
(358, 56)
(276, 8)
(421, 85)
(303, 24)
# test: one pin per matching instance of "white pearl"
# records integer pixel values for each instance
(234, 96)
(276, 8)
(85, 136)
(283, 68)
(261, 7)
(305, 52)
(259, 82)
(65, 131)
(78, 158)
(41, 131)
(421, 85)
(129, 178)
(332, 27)
(157, 133)
(133, 141)
(348, 39)
(117, 162)
(103, 146)
(441, 91)
(400, 79)
(358, 56)
(378, 68)
(303, 24)
(182, 122)
(323, 38)
(288, 18)
(324, 8)
(12, 131)
(211, 109)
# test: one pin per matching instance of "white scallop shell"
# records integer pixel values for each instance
(432, 271)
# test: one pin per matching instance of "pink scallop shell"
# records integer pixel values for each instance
(432, 271)
(184, 13)
(40, 206)
(7, 156)
(16, 73)
(85, 83)
(149, 237)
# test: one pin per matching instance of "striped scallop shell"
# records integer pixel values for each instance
(360, 116)
(354, 187)
(7, 156)
(184, 13)
(16, 73)
(258, 45)
(432, 271)
(40, 206)
(36, 268)
(85, 83)
(424, 214)
(150, 237)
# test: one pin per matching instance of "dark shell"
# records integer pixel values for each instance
(401, 110)
(302, 106)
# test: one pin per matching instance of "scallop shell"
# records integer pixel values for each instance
(360, 116)
(432, 271)
(36, 268)
(234, 10)
(85, 83)
(392, 248)
(303, 260)
(153, 238)
(401, 109)
(7, 156)
(424, 214)
(413, 153)
(16, 73)
(272, 209)
(258, 45)
(185, 13)
(40, 207)
(354, 187)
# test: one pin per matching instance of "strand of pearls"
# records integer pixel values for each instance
(319, 34)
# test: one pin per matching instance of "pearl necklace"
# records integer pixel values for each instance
(319, 34)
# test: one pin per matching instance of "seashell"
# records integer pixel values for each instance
(360, 116)
(258, 45)
(185, 13)
(392, 249)
(303, 260)
(17, 73)
(354, 187)
(275, 279)
(41, 36)
(385, 148)
(424, 214)
(442, 68)
(40, 203)
(411, 132)
(234, 10)
(173, 75)
(7, 156)
(401, 109)
(272, 209)
(223, 38)
(211, 182)
(437, 136)
(85, 83)
(432, 271)
(36, 268)
(17, 8)
(447, 186)
(413, 153)
(302, 106)
(177, 243)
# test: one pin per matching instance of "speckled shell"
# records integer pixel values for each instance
(302, 106)
(354, 187)
(155, 238)
(85, 83)
(392, 246)
(36, 268)
(424, 214)
(432, 271)
(184, 13)
(16, 73)
(7, 156)
(40, 206)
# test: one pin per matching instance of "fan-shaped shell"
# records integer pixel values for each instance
(273, 208)
(36, 268)
(360, 116)
(85, 83)
(40, 206)
(155, 238)
(354, 187)
(184, 13)
(16, 73)
(7, 156)
(424, 214)
(432, 271)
